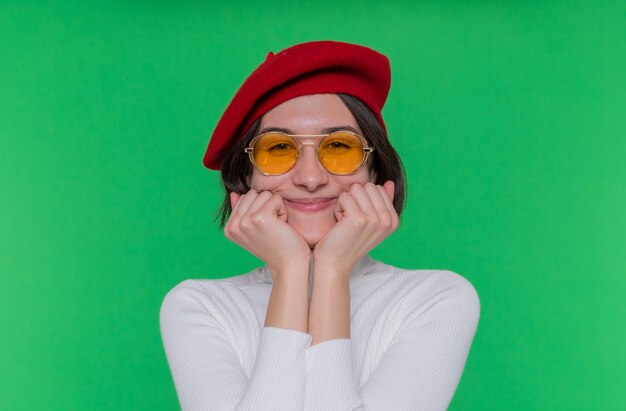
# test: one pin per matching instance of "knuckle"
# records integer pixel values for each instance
(258, 218)
(244, 226)
(359, 220)
(386, 222)
(395, 222)
(234, 229)
(232, 235)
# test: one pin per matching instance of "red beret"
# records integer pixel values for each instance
(309, 68)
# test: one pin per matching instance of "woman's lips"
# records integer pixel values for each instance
(315, 204)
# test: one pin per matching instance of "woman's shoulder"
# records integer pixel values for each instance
(201, 290)
(429, 285)
(227, 302)
(257, 276)
(434, 276)
(439, 279)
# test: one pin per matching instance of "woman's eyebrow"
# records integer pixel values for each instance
(340, 128)
(279, 129)
(327, 130)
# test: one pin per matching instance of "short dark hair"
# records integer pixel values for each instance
(236, 167)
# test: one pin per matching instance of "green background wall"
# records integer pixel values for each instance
(510, 118)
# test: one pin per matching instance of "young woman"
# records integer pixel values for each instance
(312, 185)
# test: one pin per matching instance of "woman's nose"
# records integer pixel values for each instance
(308, 171)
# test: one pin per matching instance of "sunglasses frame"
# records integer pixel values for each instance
(366, 148)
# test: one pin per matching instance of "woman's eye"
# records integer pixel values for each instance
(337, 145)
(280, 147)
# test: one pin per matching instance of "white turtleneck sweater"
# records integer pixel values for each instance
(411, 332)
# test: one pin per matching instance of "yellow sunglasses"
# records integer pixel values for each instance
(341, 152)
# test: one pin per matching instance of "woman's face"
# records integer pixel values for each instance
(308, 189)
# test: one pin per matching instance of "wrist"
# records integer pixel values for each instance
(336, 264)
(333, 274)
(292, 272)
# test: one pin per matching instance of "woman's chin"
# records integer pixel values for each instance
(312, 233)
(312, 238)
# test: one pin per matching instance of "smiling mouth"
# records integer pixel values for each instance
(311, 205)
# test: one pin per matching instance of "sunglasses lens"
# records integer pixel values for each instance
(275, 153)
(341, 153)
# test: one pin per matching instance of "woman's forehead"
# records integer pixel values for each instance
(310, 114)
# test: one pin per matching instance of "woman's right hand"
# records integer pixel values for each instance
(258, 223)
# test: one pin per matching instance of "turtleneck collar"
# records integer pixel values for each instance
(363, 267)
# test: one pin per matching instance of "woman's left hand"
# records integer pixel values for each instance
(365, 217)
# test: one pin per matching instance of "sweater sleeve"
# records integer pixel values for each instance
(331, 380)
(207, 369)
(422, 362)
